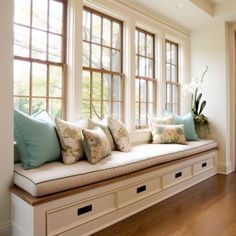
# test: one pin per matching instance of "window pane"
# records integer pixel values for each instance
(173, 74)
(86, 25)
(22, 104)
(168, 53)
(142, 68)
(40, 9)
(150, 49)
(175, 98)
(86, 109)
(106, 109)
(173, 54)
(39, 79)
(21, 78)
(137, 82)
(96, 110)
(136, 113)
(169, 107)
(106, 32)
(116, 35)
(168, 93)
(38, 104)
(116, 61)
(143, 113)
(117, 88)
(168, 72)
(106, 58)
(96, 56)
(97, 86)
(150, 108)
(96, 28)
(21, 41)
(141, 43)
(39, 44)
(55, 19)
(86, 54)
(55, 47)
(107, 87)
(143, 90)
(86, 85)
(55, 81)
(117, 110)
(55, 108)
(149, 68)
(150, 91)
(22, 12)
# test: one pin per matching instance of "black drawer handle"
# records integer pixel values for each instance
(177, 175)
(84, 210)
(141, 189)
(204, 164)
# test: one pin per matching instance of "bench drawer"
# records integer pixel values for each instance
(64, 218)
(138, 191)
(176, 176)
(202, 166)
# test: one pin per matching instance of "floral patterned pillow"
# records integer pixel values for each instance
(168, 134)
(96, 145)
(169, 120)
(119, 134)
(71, 141)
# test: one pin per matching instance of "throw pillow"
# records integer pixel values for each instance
(119, 134)
(36, 139)
(95, 144)
(169, 120)
(168, 134)
(71, 141)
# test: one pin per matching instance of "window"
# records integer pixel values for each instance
(172, 77)
(103, 80)
(39, 56)
(145, 77)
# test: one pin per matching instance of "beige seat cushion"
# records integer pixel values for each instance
(55, 176)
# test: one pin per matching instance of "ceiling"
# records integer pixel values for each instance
(193, 14)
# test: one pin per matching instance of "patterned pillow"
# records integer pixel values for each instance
(169, 120)
(168, 134)
(96, 145)
(71, 141)
(94, 124)
(119, 134)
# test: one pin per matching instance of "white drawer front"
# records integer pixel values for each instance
(138, 191)
(202, 166)
(61, 219)
(176, 176)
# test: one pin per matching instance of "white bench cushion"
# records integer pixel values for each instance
(55, 176)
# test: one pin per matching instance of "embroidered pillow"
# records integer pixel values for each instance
(71, 141)
(119, 134)
(169, 120)
(168, 134)
(95, 144)
(36, 139)
(94, 124)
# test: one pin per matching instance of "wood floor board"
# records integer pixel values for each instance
(206, 209)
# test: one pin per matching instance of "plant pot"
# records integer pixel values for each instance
(202, 131)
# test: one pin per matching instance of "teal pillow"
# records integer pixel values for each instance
(189, 127)
(36, 139)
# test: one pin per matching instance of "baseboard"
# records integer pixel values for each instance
(224, 168)
(5, 229)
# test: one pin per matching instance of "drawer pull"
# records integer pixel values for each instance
(177, 175)
(204, 164)
(84, 210)
(141, 189)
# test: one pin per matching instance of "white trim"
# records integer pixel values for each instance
(224, 168)
(5, 229)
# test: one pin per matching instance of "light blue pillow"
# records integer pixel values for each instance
(189, 127)
(36, 139)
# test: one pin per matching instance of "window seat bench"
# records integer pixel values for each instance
(80, 199)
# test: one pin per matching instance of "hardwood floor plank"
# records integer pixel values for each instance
(206, 209)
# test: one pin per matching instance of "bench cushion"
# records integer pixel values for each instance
(55, 176)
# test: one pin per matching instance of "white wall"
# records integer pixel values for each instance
(208, 47)
(6, 126)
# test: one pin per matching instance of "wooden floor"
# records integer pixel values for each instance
(207, 209)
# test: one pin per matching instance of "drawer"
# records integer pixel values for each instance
(202, 166)
(176, 176)
(64, 218)
(138, 191)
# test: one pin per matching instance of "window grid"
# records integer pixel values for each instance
(94, 106)
(46, 62)
(172, 77)
(146, 78)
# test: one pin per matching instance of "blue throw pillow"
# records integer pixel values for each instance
(36, 139)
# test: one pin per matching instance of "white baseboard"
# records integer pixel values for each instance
(5, 229)
(224, 168)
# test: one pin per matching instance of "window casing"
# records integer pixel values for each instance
(145, 89)
(103, 78)
(40, 56)
(172, 77)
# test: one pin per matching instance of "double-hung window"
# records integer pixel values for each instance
(172, 77)
(103, 79)
(40, 56)
(145, 77)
